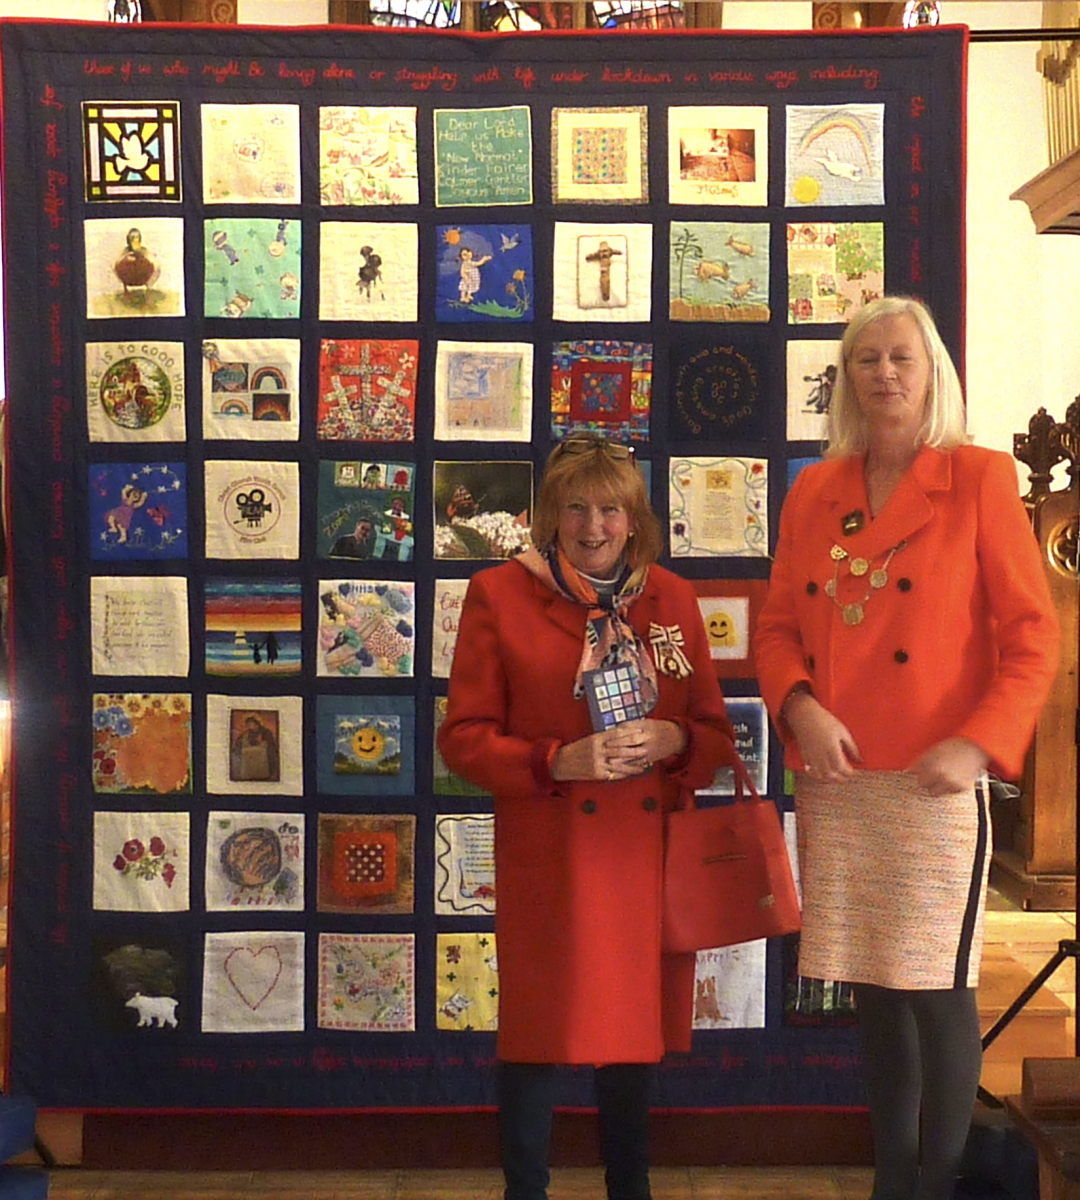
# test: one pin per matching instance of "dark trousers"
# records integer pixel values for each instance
(526, 1100)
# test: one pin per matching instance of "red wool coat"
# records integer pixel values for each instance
(578, 865)
(961, 642)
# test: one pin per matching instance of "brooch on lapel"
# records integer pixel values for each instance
(667, 642)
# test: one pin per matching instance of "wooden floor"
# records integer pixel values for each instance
(668, 1183)
(1018, 938)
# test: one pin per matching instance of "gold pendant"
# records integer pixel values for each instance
(859, 566)
(853, 614)
(879, 578)
(837, 553)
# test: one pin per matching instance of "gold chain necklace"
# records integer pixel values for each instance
(879, 577)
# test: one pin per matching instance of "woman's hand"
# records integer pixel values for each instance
(620, 753)
(950, 766)
(828, 750)
(634, 746)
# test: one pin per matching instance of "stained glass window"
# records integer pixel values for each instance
(504, 16)
(921, 12)
(124, 12)
(637, 14)
(430, 14)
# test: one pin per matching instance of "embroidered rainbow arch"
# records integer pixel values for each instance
(831, 121)
(274, 374)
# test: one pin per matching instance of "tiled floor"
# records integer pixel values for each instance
(670, 1183)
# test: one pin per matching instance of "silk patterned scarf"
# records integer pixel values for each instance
(609, 638)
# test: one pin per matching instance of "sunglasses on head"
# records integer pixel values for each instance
(584, 445)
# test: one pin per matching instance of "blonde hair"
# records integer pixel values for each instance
(595, 473)
(945, 424)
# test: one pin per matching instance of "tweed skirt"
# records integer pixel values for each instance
(893, 881)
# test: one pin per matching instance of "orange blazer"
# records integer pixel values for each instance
(962, 641)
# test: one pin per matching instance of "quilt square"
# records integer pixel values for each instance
(137, 511)
(366, 510)
(368, 271)
(367, 982)
(603, 388)
(835, 154)
(254, 745)
(254, 860)
(252, 509)
(466, 982)
(252, 267)
(483, 156)
(139, 983)
(716, 388)
(718, 154)
(367, 863)
(367, 390)
(253, 982)
(142, 742)
(253, 627)
(602, 272)
(600, 155)
(131, 149)
(834, 269)
(446, 615)
(251, 153)
(751, 724)
(367, 155)
(496, 525)
(139, 625)
(251, 389)
(718, 506)
(811, 377)
(366, 745)
(729, 609)
(444, 781)
(719, 271)
(135, 391)
(134, 270)
(729, 987)
(485, 273)
(367, 628)
(483, 391)
(465, 864)
(811, 1003)
(795, 465)
(142, 862)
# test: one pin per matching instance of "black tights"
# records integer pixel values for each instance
(921, 1059)
(526, 1099)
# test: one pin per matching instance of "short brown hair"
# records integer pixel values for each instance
(595, 472)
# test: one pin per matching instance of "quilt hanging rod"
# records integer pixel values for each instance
(1024, 35)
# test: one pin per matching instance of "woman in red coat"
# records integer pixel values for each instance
(580, 800)
(906, 645)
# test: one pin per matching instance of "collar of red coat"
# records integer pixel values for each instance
(841, 488)
(571, 617)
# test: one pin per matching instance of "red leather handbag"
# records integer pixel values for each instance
(727, 876)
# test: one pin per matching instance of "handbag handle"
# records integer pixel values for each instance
(742, 782)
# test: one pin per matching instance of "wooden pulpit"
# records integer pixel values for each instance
(1035, 836)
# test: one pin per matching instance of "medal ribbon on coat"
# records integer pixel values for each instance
(667, 642)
